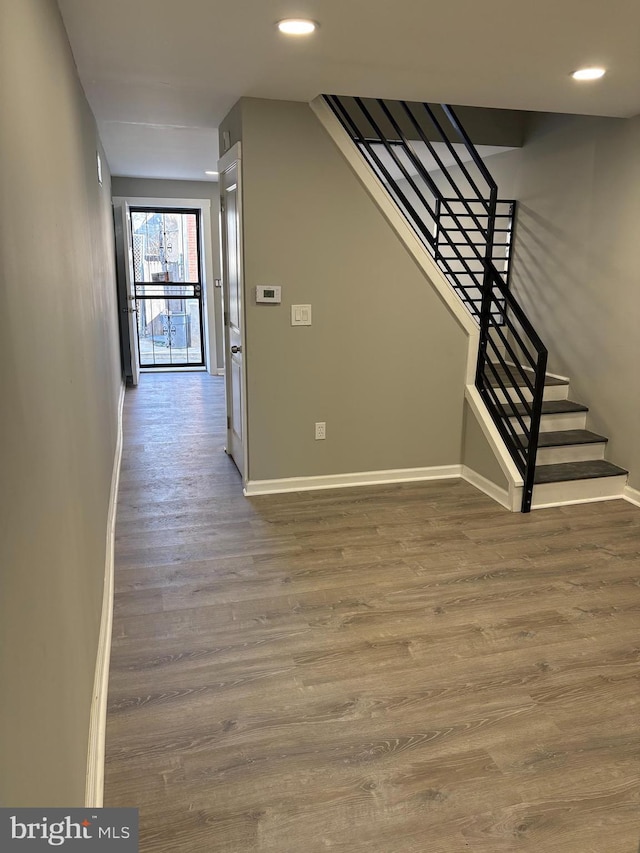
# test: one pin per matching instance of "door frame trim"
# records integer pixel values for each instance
(204, 206)
(127, 327)
(230, 158)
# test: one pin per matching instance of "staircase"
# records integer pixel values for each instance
(438, 180)
(570, 463)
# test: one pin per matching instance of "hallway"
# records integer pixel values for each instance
(402, 669)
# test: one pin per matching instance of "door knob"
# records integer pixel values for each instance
(235, 349)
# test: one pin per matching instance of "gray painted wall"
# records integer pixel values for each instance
(477, 453)
(152, 188)
(577, 261)
(485, 126)
(384, 361)
(60, 381)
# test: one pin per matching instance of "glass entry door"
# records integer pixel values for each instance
(167, 274)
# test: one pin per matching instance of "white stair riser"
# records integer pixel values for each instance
(553, 423)
(551, 392)
(496, 346)
(566, 420)
(574, 491)
(570, 453)
(556, 392)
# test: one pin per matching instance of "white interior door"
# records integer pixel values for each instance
(123, 242)
(231, 234)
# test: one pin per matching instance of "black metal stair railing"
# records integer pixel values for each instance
(510, 374)
(431, 169)
(446, 235)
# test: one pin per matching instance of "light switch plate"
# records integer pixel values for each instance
(301, 315)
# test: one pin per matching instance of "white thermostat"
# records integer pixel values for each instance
(268, 293)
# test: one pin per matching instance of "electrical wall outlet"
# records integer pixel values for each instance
(321, 430)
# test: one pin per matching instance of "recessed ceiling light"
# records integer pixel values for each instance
(296, 26)
(210, 173)
(588, 74)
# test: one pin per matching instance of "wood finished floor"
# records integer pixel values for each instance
(402, 669)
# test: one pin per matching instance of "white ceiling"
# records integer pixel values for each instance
(160, 74)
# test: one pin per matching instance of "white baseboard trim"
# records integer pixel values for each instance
(94, 788)
(499, 495)
(360, 478)
(631, 495)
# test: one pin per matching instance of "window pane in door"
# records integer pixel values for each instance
(169, 332)
(165, 246)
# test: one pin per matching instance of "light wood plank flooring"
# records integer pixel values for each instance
(402, 669)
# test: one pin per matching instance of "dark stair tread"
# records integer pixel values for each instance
(549, 407)
(577, 471)
(565, 437)
(508, 382)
